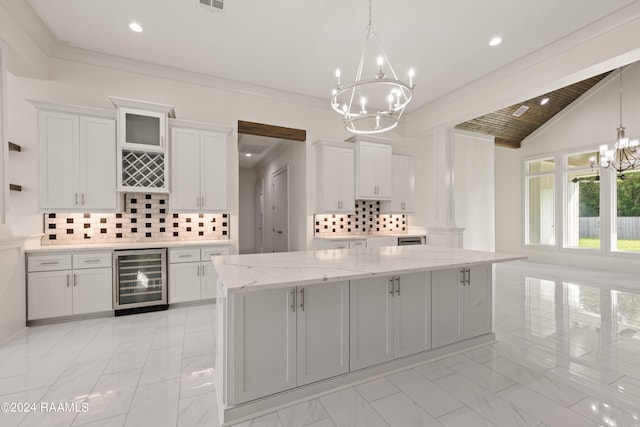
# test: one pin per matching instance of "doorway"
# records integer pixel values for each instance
(272, 162)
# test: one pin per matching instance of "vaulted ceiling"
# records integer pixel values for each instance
(510, 128)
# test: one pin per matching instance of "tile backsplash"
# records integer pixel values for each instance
(366, 220)
(146, 218)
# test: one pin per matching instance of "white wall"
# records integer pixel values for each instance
(247, 211)
(473, 166)
(590, 121)
(292, 154)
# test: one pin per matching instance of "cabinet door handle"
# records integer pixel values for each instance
(397, 280)
(302, 299)
(76, 199)
(68, 280)
(468, 276)
(293, 300)
(202, 202)
(198, 273)
(390, 285)
(82, 198)
(204, 272)
(463, 276)
(75, 280)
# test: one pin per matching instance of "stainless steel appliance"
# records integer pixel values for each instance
(139, 280)
(411, 240)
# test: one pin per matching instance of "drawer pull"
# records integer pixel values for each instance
(216, 253)
(185, 256)
(50, 263)
(91, 260)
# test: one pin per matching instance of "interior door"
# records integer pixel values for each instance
(280, 212)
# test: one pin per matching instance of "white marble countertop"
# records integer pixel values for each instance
(133, 245)
(367, 236)
(278, 270)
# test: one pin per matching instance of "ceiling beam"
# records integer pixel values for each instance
(501, 142)
(271, 131)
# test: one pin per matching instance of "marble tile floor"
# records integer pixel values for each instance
(567, 354)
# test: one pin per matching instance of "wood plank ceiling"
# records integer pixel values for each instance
(509, 130)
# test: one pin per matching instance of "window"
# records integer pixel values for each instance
(627, 221)
(540, 202)
(582, 203)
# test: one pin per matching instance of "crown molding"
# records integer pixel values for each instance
(37, 29)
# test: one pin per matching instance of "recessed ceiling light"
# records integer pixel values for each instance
(495, 41)
(134, 26)
(543, 101)
(247, 154)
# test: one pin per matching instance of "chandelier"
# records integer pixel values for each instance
(625, 154)
(372, 105)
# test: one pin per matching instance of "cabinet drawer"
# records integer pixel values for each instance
(184, 255)
(207, 253)
(92, 260)
(357, 244)
(49, 262)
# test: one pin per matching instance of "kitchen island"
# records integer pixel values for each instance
(293, 325)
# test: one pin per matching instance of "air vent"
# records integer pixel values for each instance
(216, 5)
(520, 111)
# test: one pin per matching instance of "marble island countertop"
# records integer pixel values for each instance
(368, 236)
(278, 270)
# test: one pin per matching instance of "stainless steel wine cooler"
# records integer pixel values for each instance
(139, 280)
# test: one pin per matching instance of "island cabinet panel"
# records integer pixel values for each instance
(264, 343)
(371, 322)
(289, 337)
(323, 331)
(412, 314)
(461, 304)
(390, 318)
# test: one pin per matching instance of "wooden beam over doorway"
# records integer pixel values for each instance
(271, 131)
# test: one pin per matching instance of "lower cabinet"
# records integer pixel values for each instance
(287, 337)
(192, 276)
(390, 317)
(461, 304)
(68, 284)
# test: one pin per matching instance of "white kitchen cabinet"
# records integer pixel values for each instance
(49, 294)
(92, 290)
(77, 158)
(390, 318)
(402, 184)
(321, 244)
(263, 339)
(289, 337)
(335, 177)
(142, 152)
(68, 284)
(373, 171)
(461, 304)
(322, 331)
(191, 273)
(199, 168)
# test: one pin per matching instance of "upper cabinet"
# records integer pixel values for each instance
(402, 184)
(373, 170)
(198, 167)
(142, 145)
(76, 158)
(336, 177)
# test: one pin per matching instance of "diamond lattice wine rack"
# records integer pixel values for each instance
(142, 145)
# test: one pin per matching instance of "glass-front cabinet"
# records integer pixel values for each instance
(142, 145)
